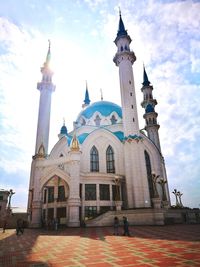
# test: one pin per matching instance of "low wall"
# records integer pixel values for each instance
(12, 220)
(174, 216)
(135, 217)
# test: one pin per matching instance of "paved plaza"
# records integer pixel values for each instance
(172, 245)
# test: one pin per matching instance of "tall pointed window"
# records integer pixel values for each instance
(110, 162)
(94, 160)
(148, 168)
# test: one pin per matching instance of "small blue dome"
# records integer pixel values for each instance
(149, 108)
(63, 130)
(105, 108)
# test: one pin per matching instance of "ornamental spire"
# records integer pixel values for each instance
(87, 99)
(74, 143)
(101, 94)
(48, 58)
(121, 29)
(146, 81)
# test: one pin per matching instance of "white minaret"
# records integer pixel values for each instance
(124, 59)
(150, 115)
(135, 176)
(46, 87)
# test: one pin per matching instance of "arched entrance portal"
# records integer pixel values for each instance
(55, 194)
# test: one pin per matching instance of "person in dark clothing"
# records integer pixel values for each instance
(20, 227)
(126, 226)
(4, 225)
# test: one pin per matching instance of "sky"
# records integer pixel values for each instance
(165, 37)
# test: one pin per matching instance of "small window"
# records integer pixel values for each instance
(50, 194)
(132, 106)
(113, 119)
(97, 120)
(83, 122)
(121, 48)
(129, 82)
(131, 94)
(61, 155)
(90, 192)
(133, 119)
(104, 191)
(61, 193)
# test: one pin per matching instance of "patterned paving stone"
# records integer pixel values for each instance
(166, 246)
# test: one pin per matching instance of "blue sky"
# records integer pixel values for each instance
(165, 36)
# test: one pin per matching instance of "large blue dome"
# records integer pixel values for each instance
(105, 108)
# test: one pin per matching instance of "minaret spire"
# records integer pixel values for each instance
(46, 87)
(146, 81)
(87, 99)
(48, 58)
(101, 94)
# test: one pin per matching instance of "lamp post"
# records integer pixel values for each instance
(162, 183)
(9, 198)
(154, 180)
(117, 184)
(179, 194)
(175, 192)
(118, 202)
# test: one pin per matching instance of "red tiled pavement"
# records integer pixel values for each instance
(166, 246)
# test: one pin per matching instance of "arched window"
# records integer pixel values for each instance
(110, 161)
(97, 120)
(149, 172)
(94, 160)
(113, 119)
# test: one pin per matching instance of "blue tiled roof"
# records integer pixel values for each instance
(119, 135)
(82, 137)
(149, 108)
(105, 108)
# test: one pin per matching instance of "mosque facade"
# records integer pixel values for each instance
(106, 165)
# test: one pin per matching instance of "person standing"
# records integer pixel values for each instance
(116, 226)
(4, 224)
(19, 228)
(126, 226)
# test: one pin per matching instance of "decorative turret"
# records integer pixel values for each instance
(63, 130)
(150, 115)
(124, 59)
(46, 87)
(87, 99)
(74, 144)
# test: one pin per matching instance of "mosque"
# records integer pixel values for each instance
(106, 165)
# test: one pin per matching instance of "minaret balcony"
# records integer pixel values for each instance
(125, 55)
(145, 102)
